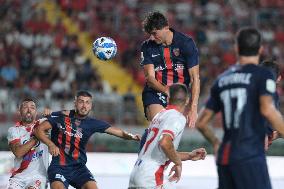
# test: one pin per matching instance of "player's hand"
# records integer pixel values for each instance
(269, 139)
(136, 137)
(46, 112)
(275, 135)
(198, 154)
(192, 117)
(53, 150)
(175, 173)
(130, 136)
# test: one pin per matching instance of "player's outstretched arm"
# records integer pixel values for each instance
(195, 91)
(115, 131)
(202, 125)
(269, 111)
(167, 146)
(40, 133)
(197, 154)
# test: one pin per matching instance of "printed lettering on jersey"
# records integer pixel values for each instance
(33, 157)
(176, 51)
(78, 131)
(178, 66)
(236, 78)
(160, 68)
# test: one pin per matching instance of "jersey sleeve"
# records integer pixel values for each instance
(173, 125)
(267, 85)
(53, 119)
(145, 54)
(13, 135)
(213, 102)
(190, 53)
(99, 126)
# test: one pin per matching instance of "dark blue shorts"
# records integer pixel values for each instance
(247, 174)
(152, 97)
(76, 176)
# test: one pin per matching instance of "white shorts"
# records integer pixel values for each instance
(34, 182)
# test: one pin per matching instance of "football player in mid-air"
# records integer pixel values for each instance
(70, 132)
(168, 57)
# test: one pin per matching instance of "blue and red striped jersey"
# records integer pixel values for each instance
(171, 63)
(236, 95)
(71, 135)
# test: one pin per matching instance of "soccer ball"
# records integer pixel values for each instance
(104, 48)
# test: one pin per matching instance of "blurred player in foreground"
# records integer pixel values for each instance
(159, 151)
(31, 159)
(273, 66)
(168, 57)
(244, 94)
(70, 132)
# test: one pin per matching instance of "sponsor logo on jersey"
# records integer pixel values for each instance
(34, 156)
(78, 131)
(155, 55)
(37, 183)
(179, 67)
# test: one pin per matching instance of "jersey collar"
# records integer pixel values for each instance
(170, 106)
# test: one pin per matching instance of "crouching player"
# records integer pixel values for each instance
(159, 150)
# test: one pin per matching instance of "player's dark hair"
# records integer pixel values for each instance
(154, 20)
(178, 94)
(26, 99)
(248, 41)
(273, 66)
(83, 93)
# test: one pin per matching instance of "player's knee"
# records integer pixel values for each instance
(57, 185)
(90, 185)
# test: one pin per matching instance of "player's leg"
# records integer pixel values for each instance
(90, 185)
(252, 173)
(83, 178)
(57, 185)
(153, 103)
(58, 177)
(225, 177)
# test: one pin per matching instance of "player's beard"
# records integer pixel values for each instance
(28, 117)
(83, 112)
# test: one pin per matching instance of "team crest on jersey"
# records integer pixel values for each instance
(77, 122)
(176, 51)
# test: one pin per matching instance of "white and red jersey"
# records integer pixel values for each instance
(35, 162)
(152, 161)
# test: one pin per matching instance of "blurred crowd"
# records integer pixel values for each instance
(212, 24)
(41, 60)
